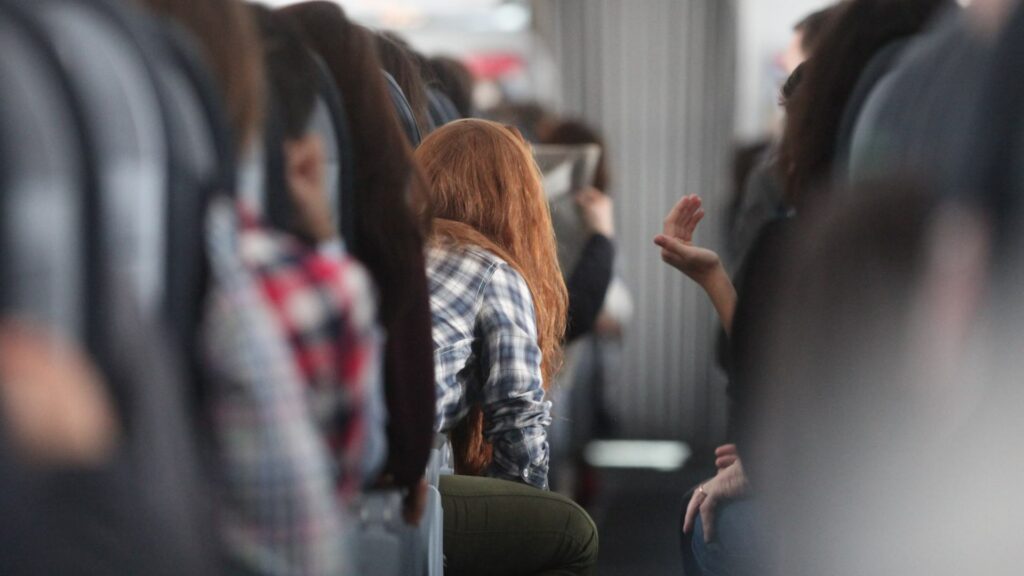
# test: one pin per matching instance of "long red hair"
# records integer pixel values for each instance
(485, 191)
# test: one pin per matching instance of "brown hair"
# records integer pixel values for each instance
(852, 36)
(456, 81)
(232, 47)
(578, 132)
(486, 191)
(389, 191)
(813, 27)
(399, 60)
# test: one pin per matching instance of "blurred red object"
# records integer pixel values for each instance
(493, 66)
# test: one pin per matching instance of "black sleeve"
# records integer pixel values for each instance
(588, 285)
(759, 290)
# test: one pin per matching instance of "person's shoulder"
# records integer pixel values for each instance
(468, 252)
(477, 270)
(466, 260)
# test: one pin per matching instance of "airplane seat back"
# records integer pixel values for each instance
(43, 194)
(404, 110)
(442, 110)
(127, 134)
(873, 78)
(196, 176)
(141, 510)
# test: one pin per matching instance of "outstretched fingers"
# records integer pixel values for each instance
(672, 219)
(691, 224)
(684, 217)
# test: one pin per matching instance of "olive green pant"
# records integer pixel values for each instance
(498, 528)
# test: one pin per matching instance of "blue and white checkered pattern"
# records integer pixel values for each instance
(486, 353)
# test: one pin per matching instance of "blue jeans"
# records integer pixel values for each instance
(734, 550)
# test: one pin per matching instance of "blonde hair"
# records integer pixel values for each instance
(486, 191)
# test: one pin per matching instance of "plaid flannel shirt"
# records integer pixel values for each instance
(486, 353)
(279, 510)
(325, 302)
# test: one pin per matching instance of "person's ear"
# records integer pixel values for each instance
(304, 157)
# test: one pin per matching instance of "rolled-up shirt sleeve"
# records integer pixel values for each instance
(515, 412)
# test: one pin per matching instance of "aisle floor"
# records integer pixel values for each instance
(637, 515)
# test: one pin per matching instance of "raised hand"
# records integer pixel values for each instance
(676, 242)
(597, 211)
(701, 265)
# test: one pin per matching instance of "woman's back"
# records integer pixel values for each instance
(486, 353)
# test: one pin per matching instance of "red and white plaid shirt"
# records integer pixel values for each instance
(325, 302)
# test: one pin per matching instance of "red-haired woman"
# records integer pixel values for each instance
(499, 306)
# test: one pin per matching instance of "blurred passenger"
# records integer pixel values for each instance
(55, 408)
(456, 81)
(392, 217)
(58, 418)
(591, 276)
(398, 60)
(759, 194)
(339, 353)
(262, 351)
(98, 472)
(499, 305)
(818, 92)
(858, 32)
(532, 119)
(763, 198)
(867, 382)
(754, 164)
(572, 132)
(807, 34)
(440, 108)
(599, 307)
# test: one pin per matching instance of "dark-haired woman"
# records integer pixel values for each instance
(858, 31)
(391, 204)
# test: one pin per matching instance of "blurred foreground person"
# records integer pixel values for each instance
(56, 408)
(859, 32)
(284, 380)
